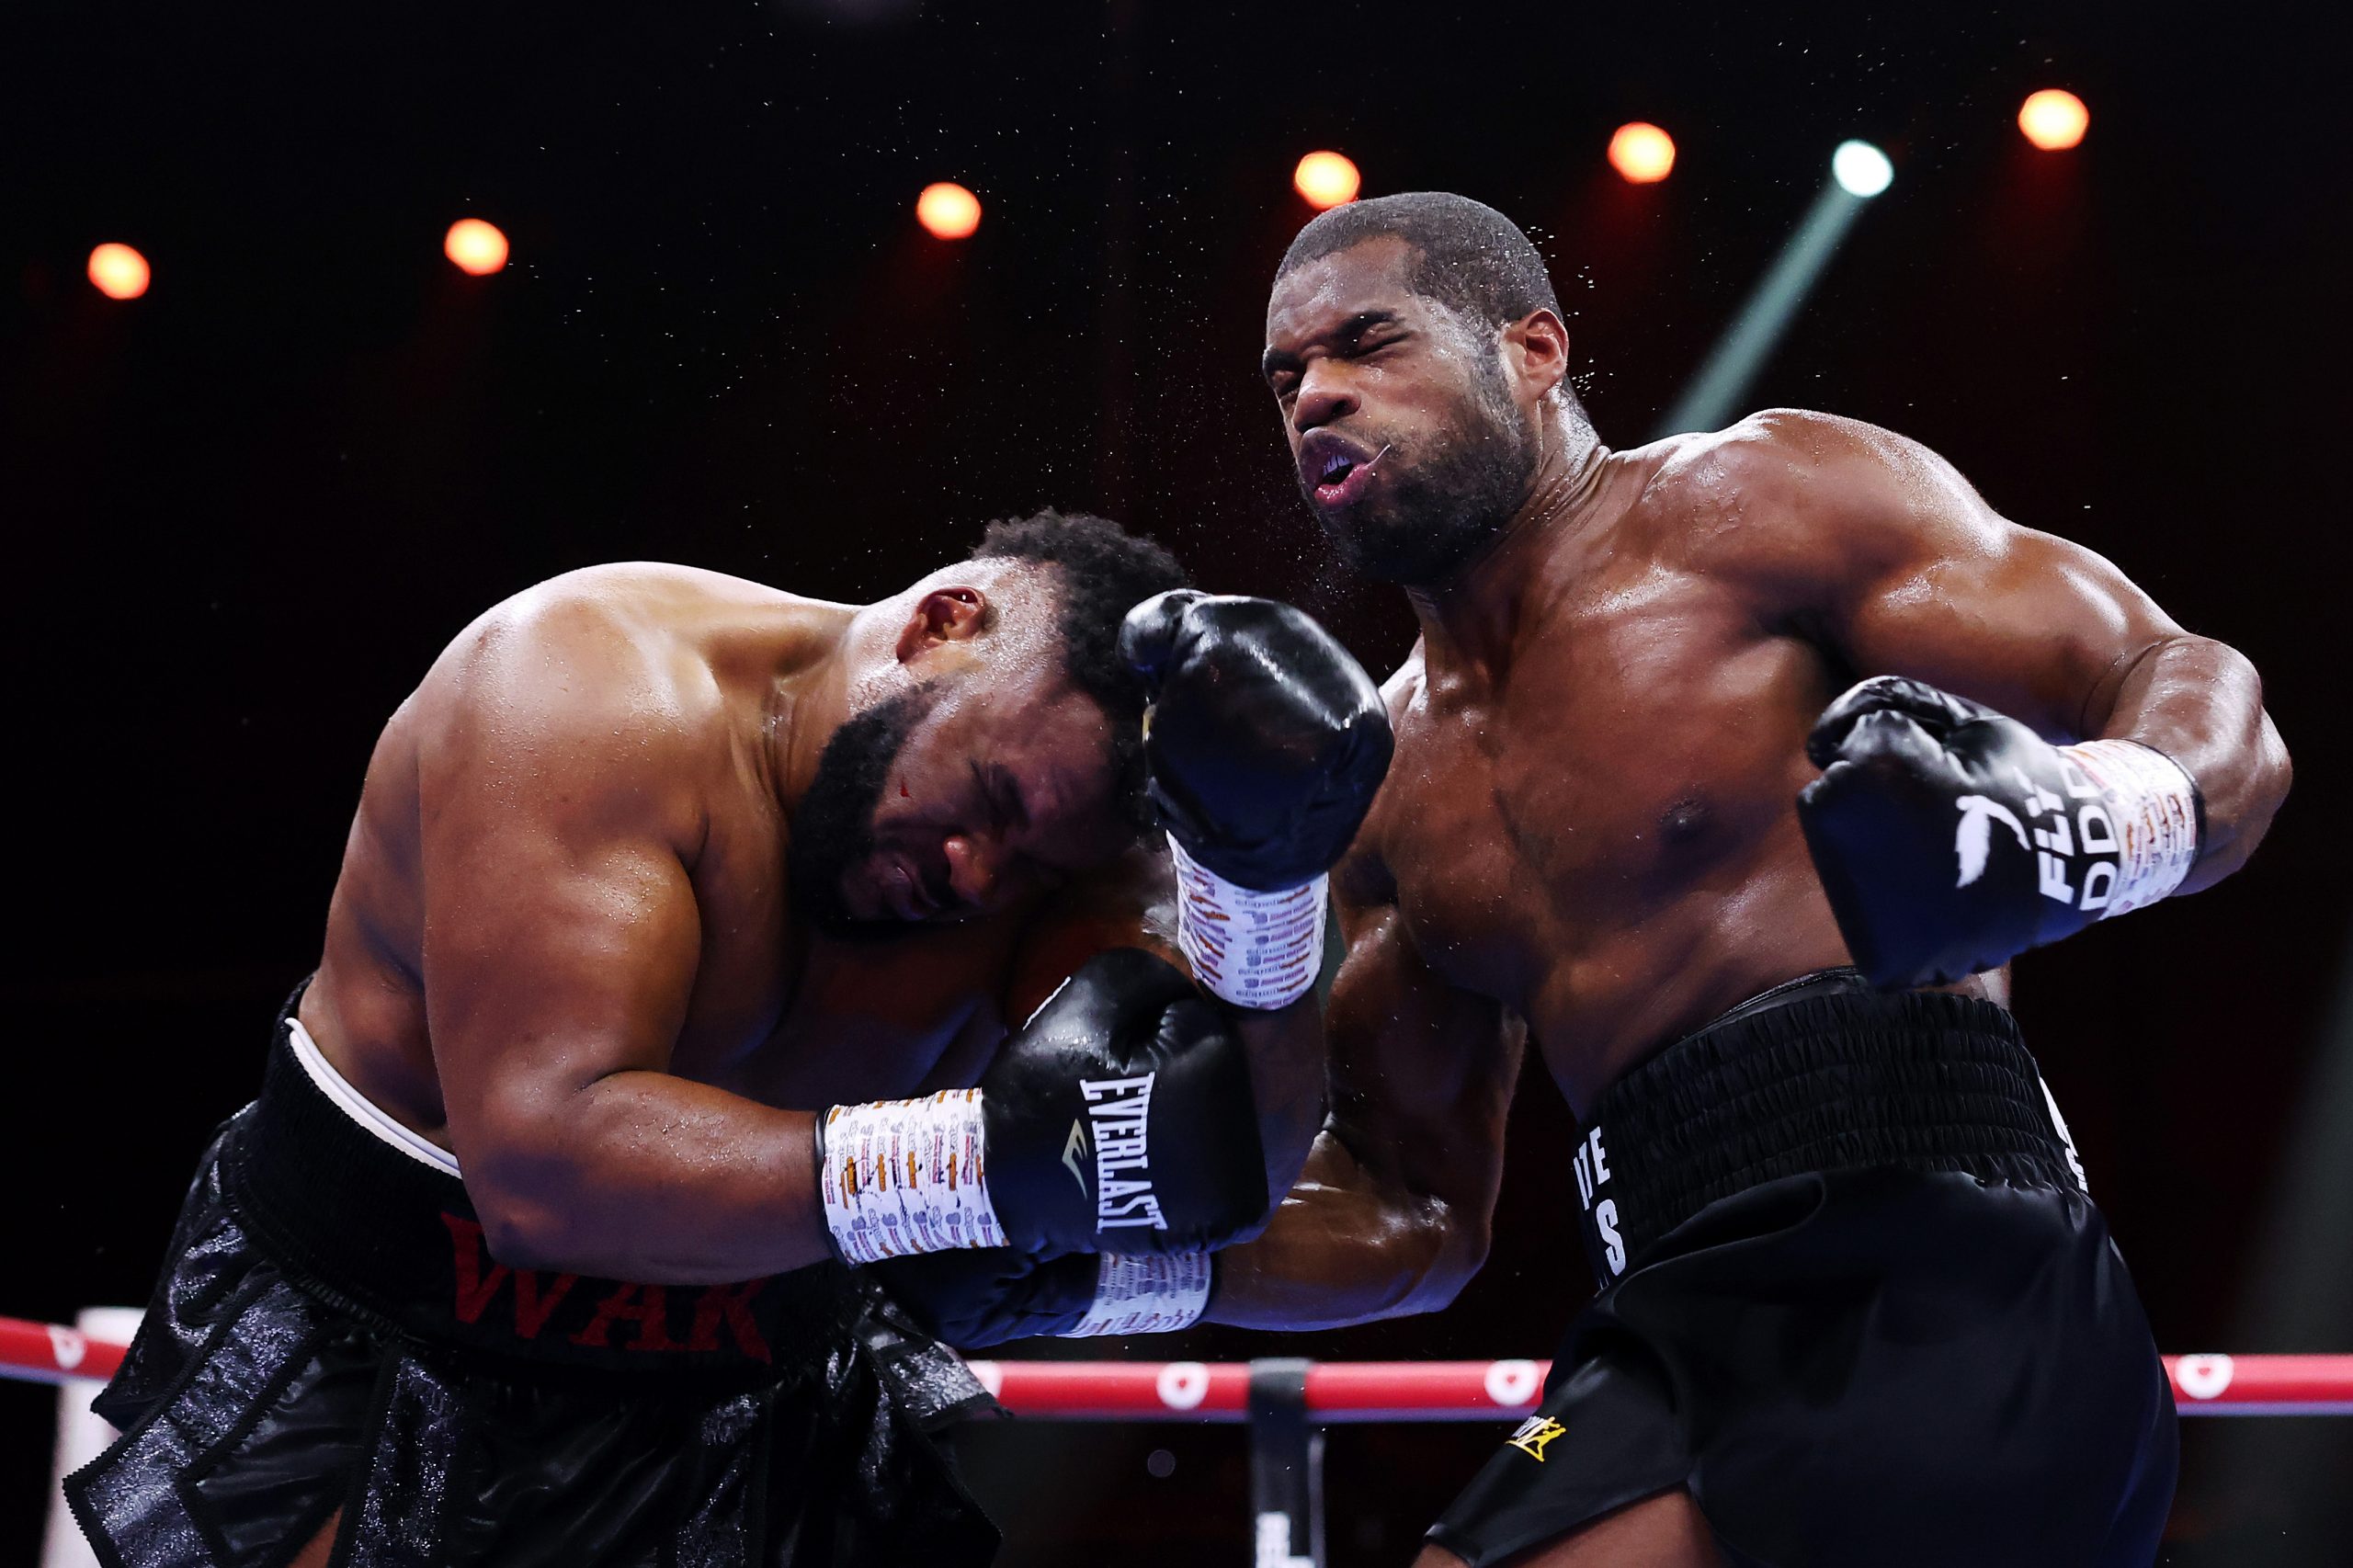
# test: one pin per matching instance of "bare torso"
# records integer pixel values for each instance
(1588, 836)
(777, 1013)
(1601, 833)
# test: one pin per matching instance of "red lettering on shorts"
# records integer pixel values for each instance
(531, 1313)
(732, 1303)
(476, 1289)
(648, 1306)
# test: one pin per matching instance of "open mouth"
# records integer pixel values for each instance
(1336, 471)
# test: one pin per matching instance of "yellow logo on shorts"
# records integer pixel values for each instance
(1534, 1434)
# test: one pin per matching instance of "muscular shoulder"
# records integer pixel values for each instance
(604, 646)
(589, 687)
(1790, 497)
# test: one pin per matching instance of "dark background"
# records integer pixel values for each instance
(246, 511)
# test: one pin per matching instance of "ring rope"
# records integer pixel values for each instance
(1337, 1391)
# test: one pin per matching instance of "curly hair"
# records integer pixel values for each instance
(1105, 572)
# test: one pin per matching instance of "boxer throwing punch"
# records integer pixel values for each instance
(1712, 756)
(1855, 1306)
(689, 944)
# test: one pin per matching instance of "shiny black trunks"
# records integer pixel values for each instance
(1854, 1299)
(331, 1334)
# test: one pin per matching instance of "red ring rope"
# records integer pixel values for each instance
(1337, 1390)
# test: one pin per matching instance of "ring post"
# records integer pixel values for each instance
(1286, 1467)
(82, 1433)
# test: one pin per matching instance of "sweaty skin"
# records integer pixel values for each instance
(1588, 836)
(561, 945)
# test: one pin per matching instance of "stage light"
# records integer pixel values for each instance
(1326, 179)
(948, 212)
(1642, 153)
(118, 272)
(477, 247)
(2054, 120)
(1861, 169)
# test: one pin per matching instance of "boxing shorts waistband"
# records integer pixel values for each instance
(1820, 1073)
(376, 1233)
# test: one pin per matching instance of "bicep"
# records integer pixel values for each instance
(1918, 577)
(560, 942)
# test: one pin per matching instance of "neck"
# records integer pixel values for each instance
(1472, 617)
(815, 686)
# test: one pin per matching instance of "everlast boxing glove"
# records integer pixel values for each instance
(1120, 1118)
(973, 1300)
(1266, 743)
(1951, 838)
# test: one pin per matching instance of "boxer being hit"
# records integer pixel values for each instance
(665, 891)
(1731, 770)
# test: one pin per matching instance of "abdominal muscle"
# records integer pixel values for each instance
(1611, 992)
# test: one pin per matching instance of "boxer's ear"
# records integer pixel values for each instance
(944, 615)
(1535, 350)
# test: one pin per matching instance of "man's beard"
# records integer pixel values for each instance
(833, 827)
(1432, 515)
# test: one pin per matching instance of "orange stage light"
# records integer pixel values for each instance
(1642, 153)
(476, 246)
(118, 272)
(1326, 179)
(2054, 120)
(948, 210)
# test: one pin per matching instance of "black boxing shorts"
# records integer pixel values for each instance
(1854, 1299)
(330, 1335)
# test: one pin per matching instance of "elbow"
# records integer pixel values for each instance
(2274, 770)
(1457, 1250)
(521, 1193)
(2278, 769)
(525, 1236)
(2235, 831)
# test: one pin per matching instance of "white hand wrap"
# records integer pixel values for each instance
(1146, 1295)
(1254, 950)
(2154, 806)
(904, 1176)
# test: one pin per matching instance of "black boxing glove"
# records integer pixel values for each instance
(972, 1300)
(1950, 838)
(1265, 742)
(1119, 1117)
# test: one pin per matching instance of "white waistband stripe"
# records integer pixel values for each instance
(357, 1106)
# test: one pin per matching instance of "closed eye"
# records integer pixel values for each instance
(1016, 805)
(1002, 793)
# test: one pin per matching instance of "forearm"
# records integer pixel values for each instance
(2201, 704)
(1343, 1248)
(647, 1177)
(1287, 1081)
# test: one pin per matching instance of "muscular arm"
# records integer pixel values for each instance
(1891, 558)
(1393, 1212)
(561, 804)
